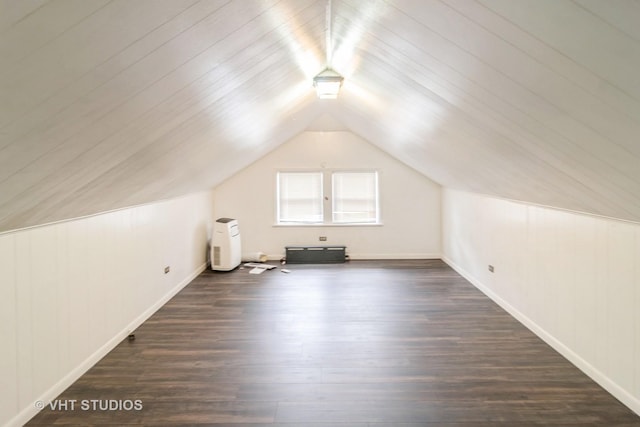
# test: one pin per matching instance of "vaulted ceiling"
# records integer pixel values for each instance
(107, 104)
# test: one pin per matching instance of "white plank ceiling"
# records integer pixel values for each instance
(106, 104)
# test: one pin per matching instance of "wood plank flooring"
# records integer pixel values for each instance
(361, 344)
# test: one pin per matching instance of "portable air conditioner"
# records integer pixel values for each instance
(225, 245)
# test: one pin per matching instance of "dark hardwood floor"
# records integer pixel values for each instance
(393, 343)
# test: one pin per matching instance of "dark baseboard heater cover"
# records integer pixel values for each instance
(315, 254)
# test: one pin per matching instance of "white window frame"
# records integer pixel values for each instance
(328, 199)
(372, 203)
(320, 201)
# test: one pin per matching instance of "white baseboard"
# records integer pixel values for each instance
(30, 411)
(375, 256)
(365, 256)
(618, 392)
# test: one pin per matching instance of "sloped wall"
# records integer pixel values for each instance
(571, 278)
(70, 292)
(410, 202)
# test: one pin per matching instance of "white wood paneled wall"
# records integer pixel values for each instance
(573, 279)
(71, 291)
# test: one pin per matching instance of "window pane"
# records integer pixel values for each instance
(300, 197)
(355, 197)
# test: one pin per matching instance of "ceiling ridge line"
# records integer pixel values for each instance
(328, 42)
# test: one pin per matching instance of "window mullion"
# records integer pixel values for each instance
(327, 197)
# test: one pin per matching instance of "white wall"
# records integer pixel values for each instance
(571, 278)
(71, 291)
(410, 202)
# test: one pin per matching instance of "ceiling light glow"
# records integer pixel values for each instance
(328, 84)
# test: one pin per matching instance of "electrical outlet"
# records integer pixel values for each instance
(491, 268)
(167, 269)
(323, 238)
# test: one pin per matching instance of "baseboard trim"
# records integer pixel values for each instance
(599, 377)
(30, 411)
(365, 256)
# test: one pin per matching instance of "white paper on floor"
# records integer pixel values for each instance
(259, 265)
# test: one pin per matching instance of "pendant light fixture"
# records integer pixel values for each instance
(327, 84)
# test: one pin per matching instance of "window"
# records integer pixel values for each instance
(355, 197)
(327, 197)
(300, 197)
